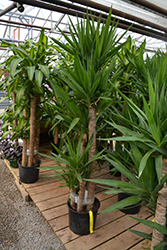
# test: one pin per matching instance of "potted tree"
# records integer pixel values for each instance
(72, 167)
(28, 76)
(146, 128)
(93, 47)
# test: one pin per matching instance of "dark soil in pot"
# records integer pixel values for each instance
(79, 223)
(132, 209)
(28, 174)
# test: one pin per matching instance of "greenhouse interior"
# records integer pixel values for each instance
(83, 118)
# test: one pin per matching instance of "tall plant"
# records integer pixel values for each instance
(93, 46)
(28, 74)
(146, 127)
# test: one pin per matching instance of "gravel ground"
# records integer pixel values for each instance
(22, 227)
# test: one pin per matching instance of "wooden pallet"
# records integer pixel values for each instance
(111, 230)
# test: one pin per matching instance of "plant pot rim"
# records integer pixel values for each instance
(36, 165)
(74, 211)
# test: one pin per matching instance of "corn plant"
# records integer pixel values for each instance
(27, 76)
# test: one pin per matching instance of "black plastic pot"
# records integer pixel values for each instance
(132, 209)
(28, 174)
(79, 222)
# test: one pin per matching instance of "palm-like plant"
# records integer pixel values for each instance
(146, 126)
(93, 47)
(76, 167)
(28, 75)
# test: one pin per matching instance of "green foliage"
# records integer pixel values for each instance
(28, 74)
(93, 47)
(26, 68)
(73, 164)
(160, 228)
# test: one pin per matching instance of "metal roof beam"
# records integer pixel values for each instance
(150, 6)
(8, 9)
(122, 23)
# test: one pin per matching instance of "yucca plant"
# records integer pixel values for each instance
(145, 126)
(93, 46)
(75, 167)
(158, 227)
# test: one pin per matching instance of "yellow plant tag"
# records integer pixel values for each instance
(153, 220)
(91, 221)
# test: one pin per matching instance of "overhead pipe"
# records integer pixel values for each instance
(95, 6)
(24, 24)
(11, 40)
(122, 24)
(8, 9)
(119, 13)
(150, 6)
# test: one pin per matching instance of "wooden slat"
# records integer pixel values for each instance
(55, 212)
(60, 222)
(105, 233)
(49, 194)
(111, 228)
(56, 201)
(125, 240)
(144, 244)
(43, 188)
(102, 219)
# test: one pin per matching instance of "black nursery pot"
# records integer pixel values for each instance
(28, 174)
(132, 209)
(79, 222)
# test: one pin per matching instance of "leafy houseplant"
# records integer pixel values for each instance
(93, 47)
(144, 128)
(160, 228)
(75, 167)
(27, 77)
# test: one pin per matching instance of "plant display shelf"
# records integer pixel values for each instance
(111, 228)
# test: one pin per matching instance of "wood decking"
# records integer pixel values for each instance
(111, 228)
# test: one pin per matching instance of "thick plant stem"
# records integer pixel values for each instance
(24, 151)
(56, 136)
(15, 121)
(92, 152)
(72, 202)
(83, 143)
(32, 131)
(81, 196)
(83, 183)
(37, 133)
(160, 214)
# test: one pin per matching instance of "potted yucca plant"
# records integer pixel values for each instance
(72, 166)
(93, 47)
(145, 129)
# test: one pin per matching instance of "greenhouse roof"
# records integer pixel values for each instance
(25, 20)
